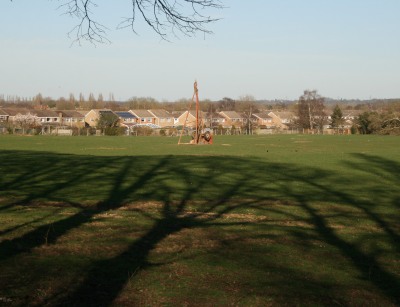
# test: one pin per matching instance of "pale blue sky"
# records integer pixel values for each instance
(268, 49)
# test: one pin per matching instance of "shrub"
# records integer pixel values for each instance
(112, 131)
(142, 131)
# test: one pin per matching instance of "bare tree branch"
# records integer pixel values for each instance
(87, 29)
(165, 17)
(181, 16)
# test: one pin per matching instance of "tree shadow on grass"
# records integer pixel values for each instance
(385, 193)
(215, 186)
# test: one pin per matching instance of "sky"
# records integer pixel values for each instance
(269, 49)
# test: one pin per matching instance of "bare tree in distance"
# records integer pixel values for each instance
(165, 17)
(248, 106)
(311, 112)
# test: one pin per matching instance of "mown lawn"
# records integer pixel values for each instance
(249, 221)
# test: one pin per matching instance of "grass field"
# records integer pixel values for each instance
(249, 221)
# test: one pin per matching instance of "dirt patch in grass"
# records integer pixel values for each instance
(108, 215)
(142, 205)
(187, 239)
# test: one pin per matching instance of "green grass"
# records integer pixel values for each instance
(249, 221)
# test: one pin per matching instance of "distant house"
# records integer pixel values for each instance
(281, 119)
(214, 119)
(31, 118)
(127, 120)
(232, 118)
(188, 118)
(93, 116)
(144, 117)
(162, 118)
(127, 117)
(351, 114)
(72, 118)
(41, 117)
(83, 112)
(176, 115)
(47, 117)
(263, 120)
(350, 118)
(3, 116)
(12, 113)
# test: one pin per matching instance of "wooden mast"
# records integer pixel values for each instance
(199, 135)
(196, 92)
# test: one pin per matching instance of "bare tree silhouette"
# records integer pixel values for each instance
(165, 17)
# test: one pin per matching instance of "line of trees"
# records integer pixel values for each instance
(240, 104)
(99, 102)
(379, 123)
(311, 114)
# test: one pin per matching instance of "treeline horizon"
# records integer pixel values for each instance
(224, 104)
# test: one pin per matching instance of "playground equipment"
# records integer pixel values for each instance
(200, 135)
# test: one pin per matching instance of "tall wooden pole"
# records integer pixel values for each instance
(196, 92)
(197, 132)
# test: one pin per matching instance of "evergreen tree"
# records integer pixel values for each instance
(337, 117)
(364, 122)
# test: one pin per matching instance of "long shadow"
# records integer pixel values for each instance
(50, 232)
(102, 286)
(387, 169)
(220, 184)
(366, 264)
(32, 222)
